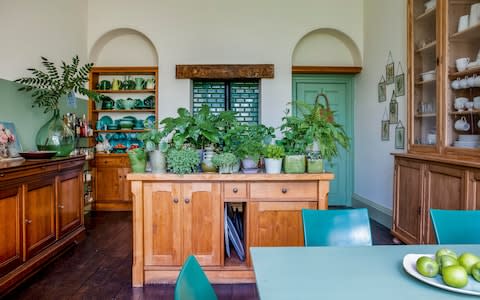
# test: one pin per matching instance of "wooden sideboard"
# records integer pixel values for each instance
(422, 182)
(41, 213)
(176, 216)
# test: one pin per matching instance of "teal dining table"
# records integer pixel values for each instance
(370, 272)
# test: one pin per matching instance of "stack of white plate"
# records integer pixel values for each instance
(468, 141)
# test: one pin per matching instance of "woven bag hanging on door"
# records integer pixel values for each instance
(324, 109)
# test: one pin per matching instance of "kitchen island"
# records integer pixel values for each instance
(178, 215)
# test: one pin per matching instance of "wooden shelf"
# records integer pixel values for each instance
(429, 46)
(426, 115)
(427, 14)
(464, 73)
(465, 112)
(125, 91)
(420, 82)
(123, 110)
(467, 34)
(120, 130)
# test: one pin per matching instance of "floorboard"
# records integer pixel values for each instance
(100, 267)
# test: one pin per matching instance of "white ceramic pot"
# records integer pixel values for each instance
(273, 165)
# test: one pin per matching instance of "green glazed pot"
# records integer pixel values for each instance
(138, 160)
(315, 165)
(294, 164)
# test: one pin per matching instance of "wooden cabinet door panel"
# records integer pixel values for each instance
(162, 224)
(408, 196)
(475, 190)
(201, 221)
(126, 189)
(10, 229)
(39, 215)
(445, 189)
(69, 204)
(276, 223)
(109, 184)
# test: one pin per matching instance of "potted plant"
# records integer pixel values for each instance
(138, 159)
(247, 142)
(182, 161)
(226, 162)
(293, 130)
(157, 147)
(273, 155)
(47, 88)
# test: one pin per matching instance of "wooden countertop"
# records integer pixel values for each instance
(19, 164)
(228, 177)
(455, 160)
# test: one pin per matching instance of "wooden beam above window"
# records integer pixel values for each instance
(325, 70)
(224, 71)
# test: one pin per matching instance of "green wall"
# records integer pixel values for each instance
(17, 107)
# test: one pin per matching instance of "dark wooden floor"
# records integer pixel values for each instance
(100, 267)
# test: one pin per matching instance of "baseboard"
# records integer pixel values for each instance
(377, 212)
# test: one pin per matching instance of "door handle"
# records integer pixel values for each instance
(235, 190)
(187, 200)
(61, 206)
(27, 221)
(175, 200)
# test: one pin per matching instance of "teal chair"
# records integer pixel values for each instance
(336, 227)
(192, 283)
(456, 226)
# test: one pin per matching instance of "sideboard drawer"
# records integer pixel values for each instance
(284, 190)
(235, 190)
(111, 161)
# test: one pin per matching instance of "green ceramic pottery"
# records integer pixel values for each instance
(138, 160)
(315, 165)
(294, 164)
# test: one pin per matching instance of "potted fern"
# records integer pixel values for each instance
(157, 147)
(47, 87)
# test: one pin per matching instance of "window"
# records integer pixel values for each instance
(241, 96)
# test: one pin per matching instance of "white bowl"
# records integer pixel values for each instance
(430, 75)
(430, 4)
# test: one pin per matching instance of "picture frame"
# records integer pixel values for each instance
(17, 147)
(400, 81)
(390, 72)
(393, 109)
(399, 136)
(382, 90)
(385, 130)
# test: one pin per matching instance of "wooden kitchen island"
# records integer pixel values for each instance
(175, 216)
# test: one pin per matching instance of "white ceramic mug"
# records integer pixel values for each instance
(464, 83)
(474, 14)
(456, 84)
(463, 23)
(469, 105)
(462, 124)
(471, 80)
(459, 106)
(462, 63)
(461, 100)
(477, 81)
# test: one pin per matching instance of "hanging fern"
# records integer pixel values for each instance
(49, 86)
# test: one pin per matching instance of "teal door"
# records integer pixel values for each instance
(339, 89)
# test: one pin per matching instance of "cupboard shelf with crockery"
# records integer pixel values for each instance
(422, 82)
(455, 75)
(108, 81)
(428, 14)
(428, 47)
(125, 91)
(426, 115)
(472, 33)
(465, 112)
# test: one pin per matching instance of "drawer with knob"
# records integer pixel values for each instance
(284, 190)
(235, 190)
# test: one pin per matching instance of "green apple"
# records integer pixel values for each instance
(467, 260)
(445, 251)
(455, 276)
(427, 266)
(476, 271)
(446, 261)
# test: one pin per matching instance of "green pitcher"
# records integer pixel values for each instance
(138, 160)
(139, 83)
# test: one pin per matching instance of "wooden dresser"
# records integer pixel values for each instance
(41, 213)
(176, 216)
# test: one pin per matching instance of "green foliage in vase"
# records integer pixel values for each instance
(274, 151)
(49, 86)
(314, 124)
(182, 161)
(225, 159)
(154, 139)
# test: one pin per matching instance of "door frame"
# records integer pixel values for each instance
(349, 81)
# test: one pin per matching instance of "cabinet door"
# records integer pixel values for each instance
(10, 228)
(202, 222)
(445, 189)
(39, 215)
(276, 223)
(424, 46)
(163, 221)
(407, 205)
(69, 204)
(110, 184)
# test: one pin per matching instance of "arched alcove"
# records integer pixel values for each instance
(124, 47)
(326, 47)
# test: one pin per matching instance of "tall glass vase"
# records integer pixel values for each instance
(55, 135)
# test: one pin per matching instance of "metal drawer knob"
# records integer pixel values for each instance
(284, 190)
(175, 200)
(235, 190)
(187, 200)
